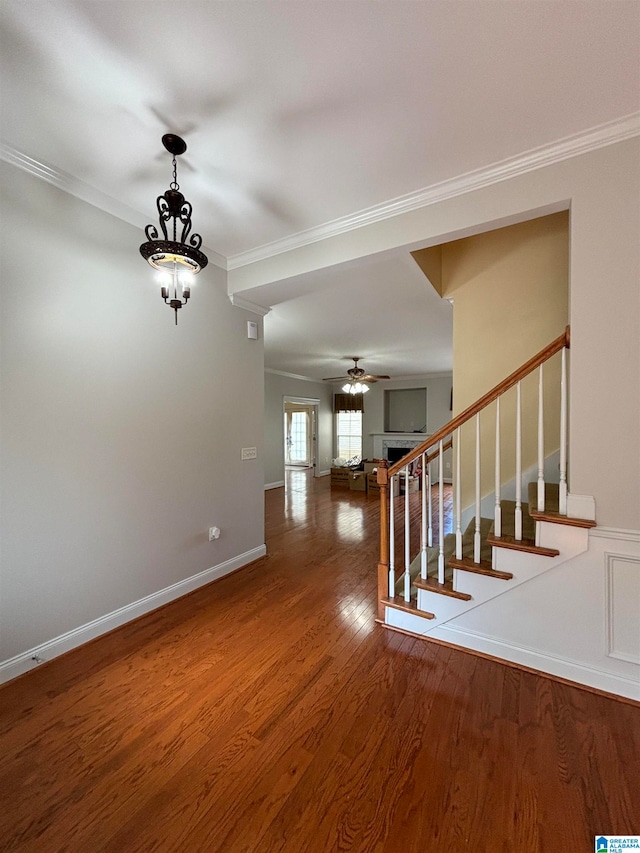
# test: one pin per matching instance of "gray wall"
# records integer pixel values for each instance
(438, 399)
(276, 387)
(121, 433)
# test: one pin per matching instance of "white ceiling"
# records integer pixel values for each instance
(300, 113)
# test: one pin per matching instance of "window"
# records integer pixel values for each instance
(349, 430)
(296, 426)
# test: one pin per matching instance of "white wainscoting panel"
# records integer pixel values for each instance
(623, 607)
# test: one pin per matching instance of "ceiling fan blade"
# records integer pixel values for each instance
(335, 378)
(373, 377)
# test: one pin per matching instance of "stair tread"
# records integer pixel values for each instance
(556, 518)
(551, 496)
(524, 544)
(407, 607)
(446, 588)
(484, 567)
(509, 520)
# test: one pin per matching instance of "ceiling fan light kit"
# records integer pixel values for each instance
(355, 388)
(176, 259)
(356, 378)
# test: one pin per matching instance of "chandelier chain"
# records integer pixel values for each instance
(174, 183)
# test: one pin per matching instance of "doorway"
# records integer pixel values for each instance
(300, 433)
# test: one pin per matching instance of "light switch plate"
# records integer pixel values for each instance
(248, 453)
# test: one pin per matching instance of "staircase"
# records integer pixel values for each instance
(468, 584)
(493, 555)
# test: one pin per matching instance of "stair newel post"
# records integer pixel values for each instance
(497, 525)
(458, 491)
(429, 507)
(392, 540)
(518, 512)
(476, 534)
(423, 518)
(540, 439)
(407, 538)
(385, 587)
(440, 514)
(562, 507)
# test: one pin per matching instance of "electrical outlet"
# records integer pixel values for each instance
(214, 533)
(248, 453)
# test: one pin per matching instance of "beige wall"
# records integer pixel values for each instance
(510, 292)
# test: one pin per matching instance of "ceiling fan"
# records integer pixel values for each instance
(355, 377)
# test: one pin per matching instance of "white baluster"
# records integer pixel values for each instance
(518, 516)
(563, 435)
(476, 534)
(497, 525)
(392, 541)
(440, 515)
(540, 441)
(423, 521)
(407, 550)
(430, 510)
(458, 489)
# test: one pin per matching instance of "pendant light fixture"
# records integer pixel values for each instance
(176, 260)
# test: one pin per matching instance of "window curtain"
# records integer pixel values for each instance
(348, 403)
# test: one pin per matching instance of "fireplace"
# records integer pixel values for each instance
(386, 444)
(395, 454)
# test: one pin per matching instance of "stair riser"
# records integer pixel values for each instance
(570, 541)
(480, 587)
(442, 606)
(406, 621)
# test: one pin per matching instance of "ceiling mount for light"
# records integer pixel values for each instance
(176, 259)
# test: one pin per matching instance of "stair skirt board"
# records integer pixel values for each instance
(524, 566)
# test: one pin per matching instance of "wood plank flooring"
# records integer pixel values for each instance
(267, 712)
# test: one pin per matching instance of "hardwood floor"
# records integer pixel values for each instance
(267, 712)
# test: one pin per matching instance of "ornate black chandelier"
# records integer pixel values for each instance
(176, 259)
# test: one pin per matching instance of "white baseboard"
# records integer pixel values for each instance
(277, 485)
(323, 473)
(78, 636)
(541, 661)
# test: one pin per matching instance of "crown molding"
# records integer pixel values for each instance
(241, 302)
(85, 192)
(601, 136)
(292, 375)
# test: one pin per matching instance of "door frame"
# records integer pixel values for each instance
(313, 403)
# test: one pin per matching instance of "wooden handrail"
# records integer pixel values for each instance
(560, 343)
